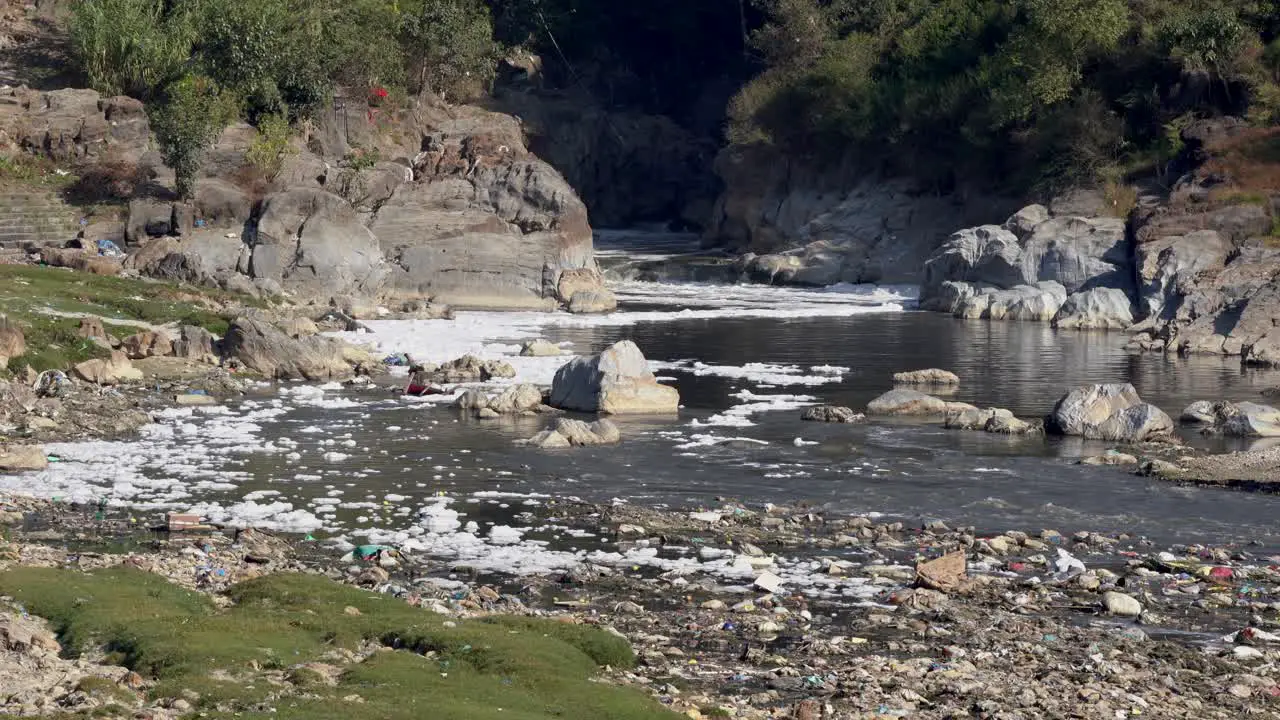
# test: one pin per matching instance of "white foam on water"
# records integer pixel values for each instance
(739, 415)
(498, 335)
(760, 373)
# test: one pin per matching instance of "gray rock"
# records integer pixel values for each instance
(1201, 412)
(930, 376)
(1110, 458)
(1025, 221)
(516, 399)
(1080, 253)
(567, 432)
(593, 301)
(987, 255)
(832, 414)
(1108, 412)
(195, 343)
(1167, 267)
(313, 243)
(617, 381)
(974, 418)
(1096, 309)
(901, 401)
(147, 344)
(1039, 303)
(1001, 424)
(1243, 419)
(468, 368)
(265, 349)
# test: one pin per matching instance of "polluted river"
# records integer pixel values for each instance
(759, 565)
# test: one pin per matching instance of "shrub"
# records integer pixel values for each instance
(130, 47)
(187, 122)
(269, 149)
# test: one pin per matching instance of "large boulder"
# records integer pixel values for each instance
(540, 348)
(108, 371)
(314, 244)
(1168, 265)
(986, 255)
(1096, 309)
(147, 344)
(617, 381)
(483, 221)
(1080, 253)
(901, 401)
(263, 348)
(22, 458)
(521, 399)
(195, 343)
(1111, 412)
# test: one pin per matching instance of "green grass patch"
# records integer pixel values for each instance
(502, 668)
(40, 297)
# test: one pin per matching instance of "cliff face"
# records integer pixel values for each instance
(450, 204)
(629, 167)
(808, 226)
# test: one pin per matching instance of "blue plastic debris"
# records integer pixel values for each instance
(109, 249)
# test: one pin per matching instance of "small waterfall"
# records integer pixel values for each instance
(661, 256)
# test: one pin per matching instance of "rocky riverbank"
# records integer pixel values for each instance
(892, 622)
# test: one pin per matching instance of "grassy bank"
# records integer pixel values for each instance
(256, 659)
(49, 302)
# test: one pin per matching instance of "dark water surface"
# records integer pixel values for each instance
(915, 471)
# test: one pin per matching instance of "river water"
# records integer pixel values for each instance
(360, 463)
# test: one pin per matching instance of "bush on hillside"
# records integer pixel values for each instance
(187, 122)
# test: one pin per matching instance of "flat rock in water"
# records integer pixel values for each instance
(832, 414)
(930, 376)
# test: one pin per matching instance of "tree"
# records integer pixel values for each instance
(449, 46)
(187, 122)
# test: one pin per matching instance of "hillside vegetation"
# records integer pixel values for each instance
(1028, 93)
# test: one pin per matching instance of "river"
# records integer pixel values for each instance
(362, 463)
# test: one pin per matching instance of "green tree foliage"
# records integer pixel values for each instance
(448, 45)
(187, 122)
(1054, 91)
(130, 47)
(270, 148)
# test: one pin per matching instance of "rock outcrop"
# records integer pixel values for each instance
(72, 125)
(617, 381)
(516, 400)
(147, 344)
(1073, 271)
(262, 348)
(468, 369)
(456, 208)
(1112, 412)
(804, 226)
(901, 401)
